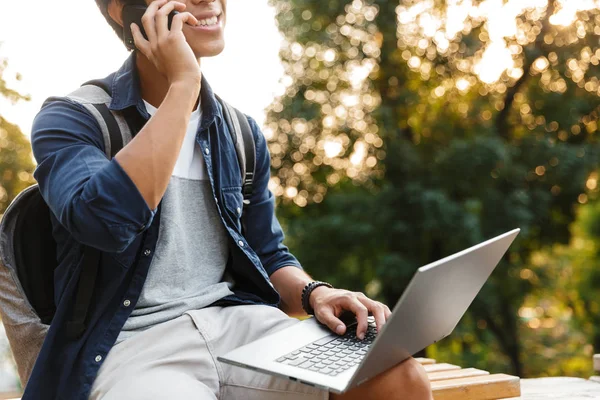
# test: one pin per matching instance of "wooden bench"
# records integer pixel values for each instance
(451, 382)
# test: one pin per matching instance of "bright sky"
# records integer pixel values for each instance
(58, 45)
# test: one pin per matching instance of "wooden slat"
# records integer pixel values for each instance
(487, 387)
(456, 374)
(597, 362)
(425, 361)
(440, 367)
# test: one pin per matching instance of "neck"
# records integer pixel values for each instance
(154, 86)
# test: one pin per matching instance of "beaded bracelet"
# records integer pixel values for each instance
(306, 295)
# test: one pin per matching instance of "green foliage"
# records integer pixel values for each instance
(393, 147)
(16, 160)
(561, 319)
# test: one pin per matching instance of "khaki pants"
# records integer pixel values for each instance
(177, 360)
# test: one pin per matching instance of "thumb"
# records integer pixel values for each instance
(327, 317)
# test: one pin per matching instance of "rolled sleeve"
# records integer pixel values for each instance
(91, 196)
(263, 230)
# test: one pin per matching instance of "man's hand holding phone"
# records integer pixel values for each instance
(168, 49)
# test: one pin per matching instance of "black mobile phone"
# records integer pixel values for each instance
(134, 13)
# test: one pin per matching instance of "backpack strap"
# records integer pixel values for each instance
(115, 130)
(116, 134)
(242, 137)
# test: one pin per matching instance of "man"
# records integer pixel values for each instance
(178, 282)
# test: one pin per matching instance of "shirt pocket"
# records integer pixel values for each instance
(234, 205)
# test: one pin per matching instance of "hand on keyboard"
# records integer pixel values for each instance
(332, 354)
(329, 304)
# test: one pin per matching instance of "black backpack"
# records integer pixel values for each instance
(28, 249)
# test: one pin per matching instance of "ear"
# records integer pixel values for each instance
(115, 10)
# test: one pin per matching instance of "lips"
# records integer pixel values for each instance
(208, 19)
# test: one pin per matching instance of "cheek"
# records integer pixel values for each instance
(224, 8)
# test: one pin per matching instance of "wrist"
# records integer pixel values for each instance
(315, 294)
(186, 95)
(307, 295)
(188, 85)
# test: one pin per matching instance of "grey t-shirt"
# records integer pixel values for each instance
(188, 268)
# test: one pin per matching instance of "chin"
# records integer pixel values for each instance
(209, 50)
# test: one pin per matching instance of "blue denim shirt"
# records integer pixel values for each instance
(95, 203)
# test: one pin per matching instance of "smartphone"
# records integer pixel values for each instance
(134, 13)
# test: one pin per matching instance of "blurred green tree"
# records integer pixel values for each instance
(410, 130)
(568, 304)
(16, 159)
(584, 278)
(562, 317)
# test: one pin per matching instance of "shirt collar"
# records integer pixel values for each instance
(126, 93)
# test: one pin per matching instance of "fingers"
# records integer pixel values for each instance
(387, 311)
(148, 19)
(138, 39)
(327, 316)
(328, 311)
(362, 313)
(378, 311)
(162, 17)
(180, 19)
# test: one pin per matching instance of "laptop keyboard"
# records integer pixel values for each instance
(332, 354)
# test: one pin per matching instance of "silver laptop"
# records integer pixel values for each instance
(430, 308)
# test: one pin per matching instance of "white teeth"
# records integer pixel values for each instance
(208, 21)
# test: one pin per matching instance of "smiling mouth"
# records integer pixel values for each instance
(207, 22)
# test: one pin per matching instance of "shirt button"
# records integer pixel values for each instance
(207, 151)
(147, 252)
(216, 201)
(98, 358)
(239, 211)
(127, 303)
(241, 243)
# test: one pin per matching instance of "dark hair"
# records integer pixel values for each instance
(103, 6)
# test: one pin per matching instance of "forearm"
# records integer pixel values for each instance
(149, 159)
(289, 282)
